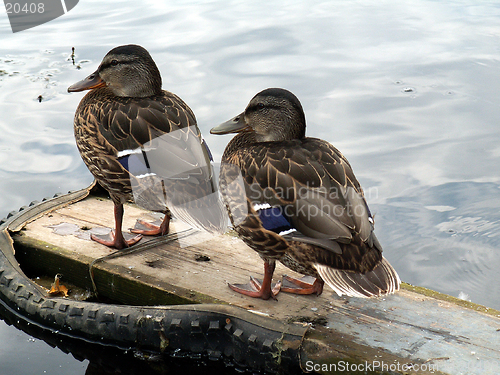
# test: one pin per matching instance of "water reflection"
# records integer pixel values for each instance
(454, 239)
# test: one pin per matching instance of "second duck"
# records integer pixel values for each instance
(298, 202)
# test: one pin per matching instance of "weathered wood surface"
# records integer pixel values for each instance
(432, 332)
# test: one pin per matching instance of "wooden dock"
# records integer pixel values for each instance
(414, 331)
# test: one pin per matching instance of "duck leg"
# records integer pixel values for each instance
(118, 241)
(300, 286)
(257, 289)
(154, 230)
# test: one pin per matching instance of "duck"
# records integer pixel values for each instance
(140, 141)
(295, 199)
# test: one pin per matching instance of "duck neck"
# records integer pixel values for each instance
(153, 87)
(148, 89)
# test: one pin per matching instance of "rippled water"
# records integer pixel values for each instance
(408, 91)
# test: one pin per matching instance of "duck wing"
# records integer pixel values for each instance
(312, 184)
(108, 127)
(339, 169)
(129, 123)
(178, 168)
(155, 141)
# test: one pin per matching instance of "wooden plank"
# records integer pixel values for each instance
(427, 329)
(171, 264)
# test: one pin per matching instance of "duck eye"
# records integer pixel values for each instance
(114, 62)
(260, 106)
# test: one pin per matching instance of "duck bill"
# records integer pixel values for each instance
(235, 125)
(93, 81)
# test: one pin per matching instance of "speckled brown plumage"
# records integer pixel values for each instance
(106, 124)
(308, 182)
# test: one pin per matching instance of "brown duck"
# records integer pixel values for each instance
(298, 202)
(124, 119)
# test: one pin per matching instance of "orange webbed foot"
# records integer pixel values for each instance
(153, 229)
(255, 289)
(117, 242)
(304, 285)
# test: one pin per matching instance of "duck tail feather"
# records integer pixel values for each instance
(209, 214)
(382, 280)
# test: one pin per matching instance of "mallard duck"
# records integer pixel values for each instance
(299, 203)
(124, 123)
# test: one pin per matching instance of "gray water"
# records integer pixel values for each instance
(408, 91)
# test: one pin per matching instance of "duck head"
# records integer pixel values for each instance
(128, 71)
(273, 115)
